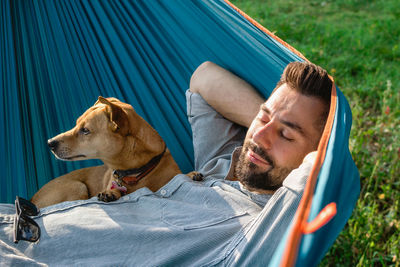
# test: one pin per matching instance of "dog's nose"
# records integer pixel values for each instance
(53, 144)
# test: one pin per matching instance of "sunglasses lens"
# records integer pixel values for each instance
(27, 207)
(27, 229)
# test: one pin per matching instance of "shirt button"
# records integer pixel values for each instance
(163, 192)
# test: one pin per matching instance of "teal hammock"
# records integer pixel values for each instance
(57, 57)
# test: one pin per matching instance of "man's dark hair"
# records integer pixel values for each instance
(310, 80)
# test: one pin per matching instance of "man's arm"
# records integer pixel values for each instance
(228, 94)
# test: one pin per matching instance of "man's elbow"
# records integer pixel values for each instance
(198, 81)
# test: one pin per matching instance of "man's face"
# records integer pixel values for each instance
(280, 136)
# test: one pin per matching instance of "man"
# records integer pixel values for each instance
(282, 130)
(236, 216)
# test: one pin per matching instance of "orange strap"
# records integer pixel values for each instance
(322, 218)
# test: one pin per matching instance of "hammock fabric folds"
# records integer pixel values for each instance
(57, 57)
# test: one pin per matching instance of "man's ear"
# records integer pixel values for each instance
(117, 115)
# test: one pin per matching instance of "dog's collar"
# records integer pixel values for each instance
(132, 176)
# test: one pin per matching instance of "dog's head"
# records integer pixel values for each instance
(99, 133)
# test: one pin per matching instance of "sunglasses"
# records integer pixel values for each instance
(25, 228)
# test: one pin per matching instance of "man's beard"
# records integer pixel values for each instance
(248, 174)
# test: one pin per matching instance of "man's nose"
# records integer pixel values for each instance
(263, 136)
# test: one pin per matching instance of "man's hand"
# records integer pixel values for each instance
(228, 94)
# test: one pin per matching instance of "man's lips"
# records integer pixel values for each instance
(257, 159)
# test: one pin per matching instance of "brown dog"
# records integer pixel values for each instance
(133, 153)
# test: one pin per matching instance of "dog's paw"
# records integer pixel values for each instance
(109, 195)
(195, 176)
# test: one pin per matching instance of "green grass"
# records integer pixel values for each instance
(357, 42)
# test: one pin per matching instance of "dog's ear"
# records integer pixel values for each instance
(117, 115)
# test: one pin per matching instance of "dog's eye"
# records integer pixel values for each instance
(85, 131)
